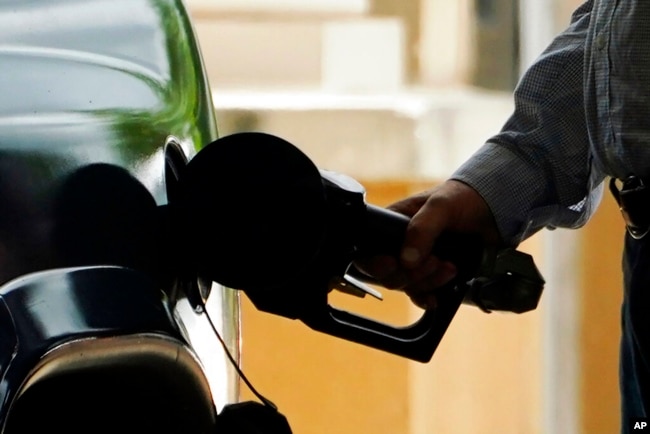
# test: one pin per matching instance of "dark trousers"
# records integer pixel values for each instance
(635, 342)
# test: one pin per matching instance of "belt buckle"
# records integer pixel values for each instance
(632, 199)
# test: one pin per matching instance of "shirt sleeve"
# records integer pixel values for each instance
(537, 172)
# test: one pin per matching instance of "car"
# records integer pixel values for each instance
(103, 322)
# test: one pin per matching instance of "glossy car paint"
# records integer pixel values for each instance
(90, 93)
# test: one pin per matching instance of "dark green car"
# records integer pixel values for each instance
(101, 105)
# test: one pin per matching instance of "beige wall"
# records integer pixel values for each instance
(564, 9)
(601, 296)
(445, 42)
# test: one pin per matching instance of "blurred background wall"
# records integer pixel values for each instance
(397, 94)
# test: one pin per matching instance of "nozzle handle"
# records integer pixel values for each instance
(382, 233)
(417, 341)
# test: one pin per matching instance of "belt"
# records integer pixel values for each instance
(633, 198)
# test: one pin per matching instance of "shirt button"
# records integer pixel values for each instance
(601, 41)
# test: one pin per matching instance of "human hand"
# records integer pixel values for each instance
(451, 207)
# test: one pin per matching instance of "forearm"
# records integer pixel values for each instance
(537, 172)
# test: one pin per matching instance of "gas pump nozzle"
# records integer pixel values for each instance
(289, 233)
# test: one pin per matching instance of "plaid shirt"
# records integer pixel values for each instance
(582, 113)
